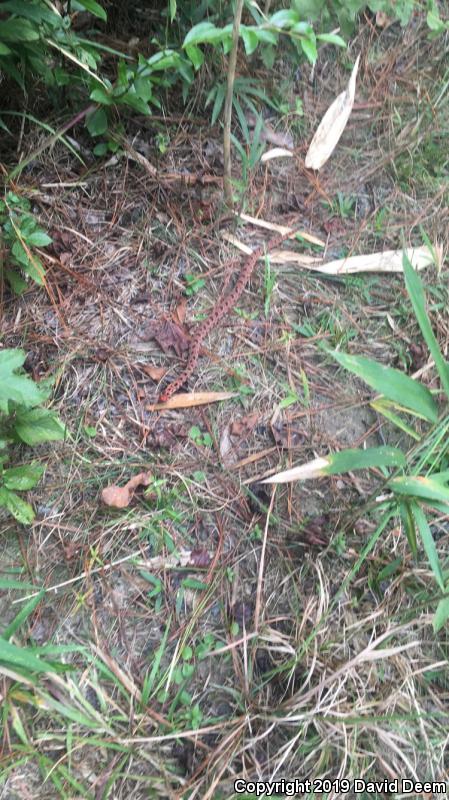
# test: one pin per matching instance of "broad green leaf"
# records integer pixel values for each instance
(284, 18)
(38, 239)
(99, 95)
(426, 489)
(417, 297)
(10, 359)
(309, 48)
(441, 614)
(22, 657)
(428, 544)
(23, 615)
(29, 262)
(16, 282)
(20, 510)
(204, 33)
(172, 7)
(36, 12)
(195, 55)
(392, 383)
(18, 388)
(97, 123)
(18, 30)
(347, 460)
(94, 8)
(22, 478)
(250, 39)
(4, 51)
(331, 38)
(38, 425)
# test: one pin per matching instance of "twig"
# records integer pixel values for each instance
(227, 184)
(262, 564)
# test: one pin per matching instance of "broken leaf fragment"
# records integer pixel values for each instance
(120, 496)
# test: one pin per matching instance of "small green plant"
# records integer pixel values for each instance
(22, 419)
(193, 284)
(201, 439)
(21, 234)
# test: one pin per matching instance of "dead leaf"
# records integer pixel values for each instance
(227, 453)
(200, 558)
(268, 134)
(190, 399)
(276, 152)
(121, 496)
(382, 20)
(168, 335)
(287, 436)
(179, 313)
(155, 373)
(313, 469)
(387, 261)
(163, 435)
(243, 426)
(332, 125)
(283, 229)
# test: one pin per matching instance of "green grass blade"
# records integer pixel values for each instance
(418, 299)
(384, 406)
(409, 526)
(23, 614)
(149, 682)
(392, 383)
(428, 544)
(15, 656)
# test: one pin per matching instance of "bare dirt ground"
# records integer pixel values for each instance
(221, 630)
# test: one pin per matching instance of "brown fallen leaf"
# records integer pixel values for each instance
(163, 435)
(189, 399)
(179, 314)
(168, 335)
(287, 436)
(121, 496)
(156, 373)
(244, 425)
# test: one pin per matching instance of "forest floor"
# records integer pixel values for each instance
(220, 629)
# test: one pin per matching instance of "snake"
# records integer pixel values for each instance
(226, 301)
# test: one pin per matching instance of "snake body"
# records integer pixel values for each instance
(224, 304)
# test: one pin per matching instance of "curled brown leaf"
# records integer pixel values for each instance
(120, 496)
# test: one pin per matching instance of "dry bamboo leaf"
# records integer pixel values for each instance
(283, 229)
(276, 152)
(121, 496)
(302, 473)
(386, 261)
(332, 125)
(189, 399)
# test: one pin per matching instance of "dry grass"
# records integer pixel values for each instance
(305, 655)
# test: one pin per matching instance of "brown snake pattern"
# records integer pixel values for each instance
(224, 304)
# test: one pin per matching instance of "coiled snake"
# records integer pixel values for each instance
(224, 304)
